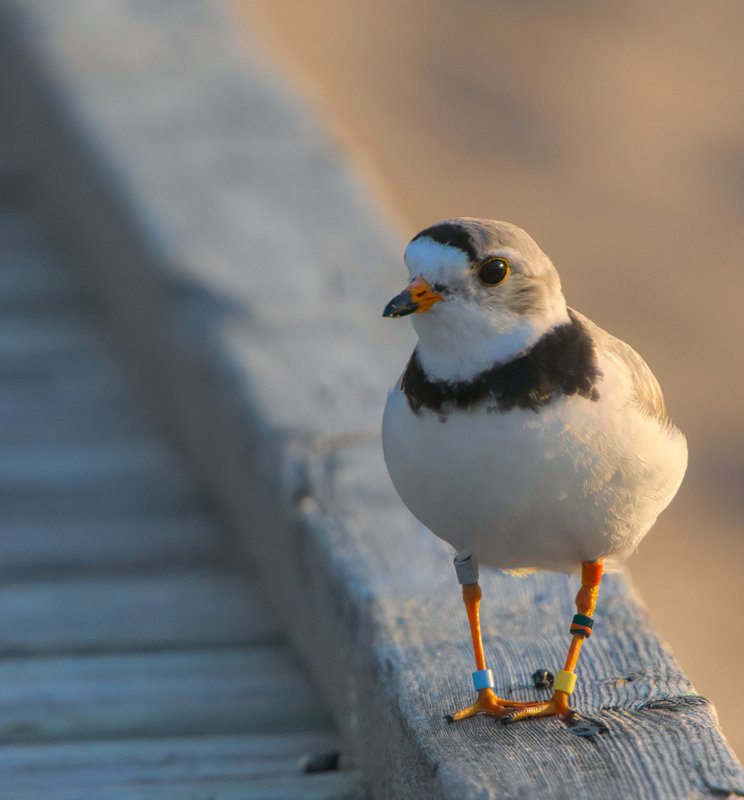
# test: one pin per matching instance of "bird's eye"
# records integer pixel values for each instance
(494, 271)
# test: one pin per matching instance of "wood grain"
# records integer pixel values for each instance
(189, 693)
(46, 335)
(220, 767)
(116, 613)
(74, 409)
(107, 543)
(134, 475)
(135, 652)
(277, 384)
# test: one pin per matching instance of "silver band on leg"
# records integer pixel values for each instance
(466, 569)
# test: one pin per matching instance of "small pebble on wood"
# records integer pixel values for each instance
(322, 762)
(543, 679)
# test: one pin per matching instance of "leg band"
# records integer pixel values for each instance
(564, 681)
(582, 624)
(483, 679)
(466, 569)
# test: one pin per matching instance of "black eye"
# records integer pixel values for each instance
(493, 272)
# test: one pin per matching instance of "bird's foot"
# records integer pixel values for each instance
(487, 702)
(556, 706)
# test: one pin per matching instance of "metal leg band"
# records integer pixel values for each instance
(466, 569)
(483, 679)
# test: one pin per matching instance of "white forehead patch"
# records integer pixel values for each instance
(433, 260)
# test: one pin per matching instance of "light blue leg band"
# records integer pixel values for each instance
(483, 679)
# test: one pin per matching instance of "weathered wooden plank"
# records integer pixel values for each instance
(43, 375)
(30, 277)
(69, 410)
(98, 375)
(137, 763)
(70, 425)
(18, 230)
(74, 451)
(66, 399)
(92, 477)
(324, 786)
(247, 690)
(46, 335)
(94, 383)
(182, 609)
(107, 544)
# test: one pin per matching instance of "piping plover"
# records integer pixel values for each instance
(520, 432)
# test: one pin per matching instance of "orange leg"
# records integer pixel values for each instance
(487, 702)
(565, 680)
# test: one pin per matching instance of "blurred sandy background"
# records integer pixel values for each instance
(614, 134)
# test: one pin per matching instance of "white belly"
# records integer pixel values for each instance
(577, 481)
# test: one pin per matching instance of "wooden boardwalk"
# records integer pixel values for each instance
(244, 266)
(135, 658)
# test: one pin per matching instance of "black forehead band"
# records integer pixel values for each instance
(453, 235)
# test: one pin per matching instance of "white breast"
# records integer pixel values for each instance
(578, 480)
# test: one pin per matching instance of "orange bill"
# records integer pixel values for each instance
(419, 296)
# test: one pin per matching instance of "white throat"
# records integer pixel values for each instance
(457, 347)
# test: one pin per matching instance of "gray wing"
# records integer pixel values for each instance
(646, 392)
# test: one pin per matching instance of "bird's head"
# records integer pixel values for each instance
(481, 292)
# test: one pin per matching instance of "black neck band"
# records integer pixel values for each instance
(563, 362)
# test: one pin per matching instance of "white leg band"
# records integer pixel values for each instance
(483, 679)
(466, 569)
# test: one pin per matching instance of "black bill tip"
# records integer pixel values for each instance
(400, 306)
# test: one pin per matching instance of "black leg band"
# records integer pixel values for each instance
(582, 624)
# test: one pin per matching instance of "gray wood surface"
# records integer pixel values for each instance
(140, 474)
(34, 280)
(220, 767)
(338, 786)
(91, 400)
(137, 657)
(46, 335)
(107, 543)
(69, 411)
(277, 386)
(188, 693)
(119, 612)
